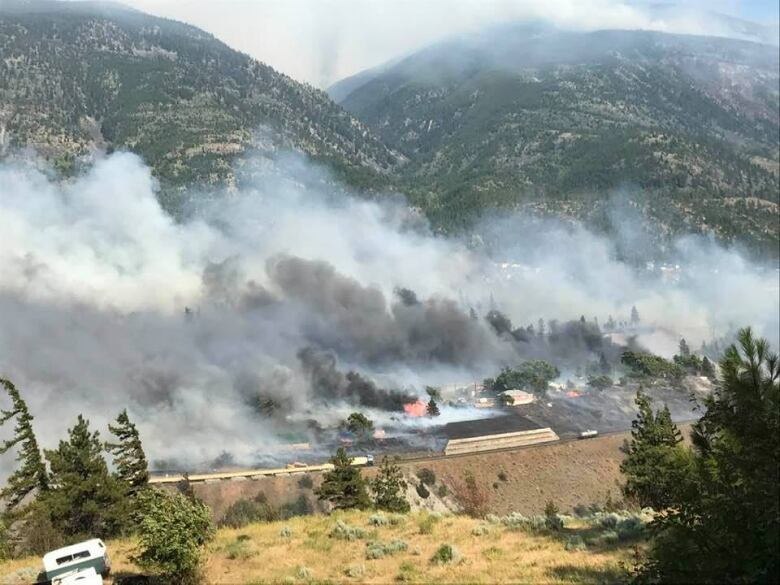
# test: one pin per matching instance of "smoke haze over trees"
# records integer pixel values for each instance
(298, 296)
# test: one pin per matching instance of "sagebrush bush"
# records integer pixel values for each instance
(503, 476)
(517, 521)
(442, 491)
(631, 528)
(306, 482)
(575, 543)
(606, 538)
(378, 520)
(445, 554)
(303, 572)
(344, 531)
(355, 571)
(378, 550)
(480, 530)
(285, 532)
(422, 491)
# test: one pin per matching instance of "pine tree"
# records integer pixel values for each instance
(129, 456)
(707, 369)
(31, 475)
(432, 408)
(654, 457)
(634, 316)
(722, 524)
(685, 351)
(84, 498)
(344, 486)
(389, 487)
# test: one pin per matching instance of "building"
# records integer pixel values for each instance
(518, 397)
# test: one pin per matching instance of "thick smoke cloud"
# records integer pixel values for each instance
(287, 302)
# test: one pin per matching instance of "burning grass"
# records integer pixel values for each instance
(302, 549)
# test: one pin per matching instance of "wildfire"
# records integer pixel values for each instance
(573, 394)
(415, 408)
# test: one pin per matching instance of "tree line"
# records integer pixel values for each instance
(59, 496)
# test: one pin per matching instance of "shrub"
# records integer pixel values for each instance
(445, 554)
(378, 520)
(172, 533)
(552, 519)
(503, 476)
(631, 528)
(306, 482)
(244, 512)
(355, 571)
(344, 531)
(609, 520)
(378, 550)
(442, 491)
(426, 523)
(397, 520)
(575, 543)
(492, 553)
(238, 549)
(472, 496)
(516, 521)
(495, 485)
(303, 572)
(426, 476)
(480, 530)
(422, 491)
(606, 538)
(493, 519)
(406, 572)
(286, 532)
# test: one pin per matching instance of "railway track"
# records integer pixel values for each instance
(360, 461)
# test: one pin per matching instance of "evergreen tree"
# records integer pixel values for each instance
(685, 351)
(31, 474)
(129, 456)
(83, 498)
(389, 487)
(723, 522)
(360, 425)
(707, 369)
(344, 486)
(634, 316)
(540, 328)
(654, 457)
(432, 408)
(604, 366)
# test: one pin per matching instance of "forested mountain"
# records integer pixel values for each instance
(530, 116)
(78, 75)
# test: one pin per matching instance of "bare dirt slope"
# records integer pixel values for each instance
(568, 473)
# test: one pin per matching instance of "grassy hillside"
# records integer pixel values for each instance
(307, 550)
(78, 76)
(554, 121)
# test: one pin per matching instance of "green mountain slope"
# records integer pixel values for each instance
(74, 76)
(529, 116)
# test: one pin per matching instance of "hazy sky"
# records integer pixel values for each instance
(322, 41)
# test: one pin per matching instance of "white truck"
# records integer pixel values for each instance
(85, 563)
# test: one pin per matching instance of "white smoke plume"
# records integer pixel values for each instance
(264, 299)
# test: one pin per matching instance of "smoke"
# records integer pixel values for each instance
(322, 41)
(286, 305)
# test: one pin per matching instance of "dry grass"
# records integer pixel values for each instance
(262, 553)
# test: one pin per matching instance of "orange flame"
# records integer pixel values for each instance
(418, 408)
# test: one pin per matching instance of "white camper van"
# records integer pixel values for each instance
(64, 564)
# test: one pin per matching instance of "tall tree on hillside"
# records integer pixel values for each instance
(31, 474)
(84, 498)
(129, 456)
(389, 487)
(722, 524)
(344, 486)
(634, 316)
(654, 456)
(685, 350)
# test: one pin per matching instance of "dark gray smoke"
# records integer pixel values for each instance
(285, 303)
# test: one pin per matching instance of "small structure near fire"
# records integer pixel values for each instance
(517, 397)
